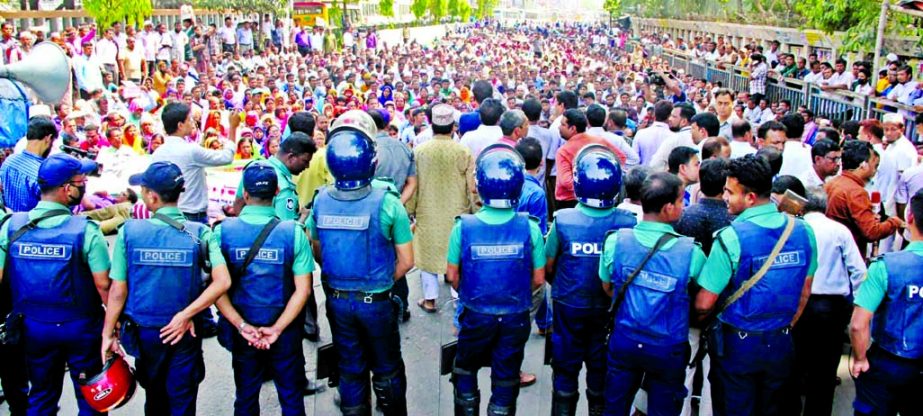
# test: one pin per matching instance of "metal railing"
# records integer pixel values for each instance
(840, 105)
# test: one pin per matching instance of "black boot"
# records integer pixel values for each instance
(388, 401)
(564, 404)
(468, 405)
(596, 403)
(494, 410)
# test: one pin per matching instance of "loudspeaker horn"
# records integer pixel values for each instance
(45, 70)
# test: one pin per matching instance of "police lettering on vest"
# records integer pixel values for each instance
(497, 252)
(44, 251)
(585, 249)
(162, 257)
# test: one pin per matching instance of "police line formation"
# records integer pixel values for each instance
(622, 291)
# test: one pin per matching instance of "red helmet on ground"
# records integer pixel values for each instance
(111, 388)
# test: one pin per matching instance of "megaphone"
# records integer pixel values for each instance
(45, 70)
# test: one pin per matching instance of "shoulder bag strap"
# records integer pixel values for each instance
(203, 245)
(620, 296)
(752, 281)
(34, 222)
(258, 243)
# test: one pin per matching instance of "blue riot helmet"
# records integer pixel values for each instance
(351, 158)
(597, 176)
(500, 174)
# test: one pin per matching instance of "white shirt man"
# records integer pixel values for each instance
(648, 140)
(682, 138)
(796, 158)
(840, 268)
(348, 39)
(631, 158)
(192, 159)
(107, 51)
(151, 42)
(481, 137)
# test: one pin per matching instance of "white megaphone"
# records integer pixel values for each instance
(46, 71)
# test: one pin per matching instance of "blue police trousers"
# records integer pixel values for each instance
(48, 347)
(891, 385)
(748, 377)
(579, 337)
(366, 338)
(285, 362)
(170, 374)
(495, 340)
(661, 367)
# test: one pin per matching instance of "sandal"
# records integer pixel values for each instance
(422, 304)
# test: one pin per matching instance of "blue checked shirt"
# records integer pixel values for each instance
(19, 177)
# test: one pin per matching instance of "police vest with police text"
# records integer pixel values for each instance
(576, 280)
(771, 304)
(496, 265)
(656, 305)
(261, 292)
(898, 324)
(49, 279)
(164, 270)
(356, 256)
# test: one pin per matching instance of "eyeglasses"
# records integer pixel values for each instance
(833, 159)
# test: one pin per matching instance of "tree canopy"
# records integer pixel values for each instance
(857, 18)
(107, 12)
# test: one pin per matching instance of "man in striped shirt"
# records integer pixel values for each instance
(19, 172)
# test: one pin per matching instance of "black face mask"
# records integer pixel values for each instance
(863, 81)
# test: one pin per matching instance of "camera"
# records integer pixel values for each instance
(655, 78)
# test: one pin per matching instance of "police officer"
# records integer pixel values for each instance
(574, 244)
(364, 235)
(648, 270)
(157, 281)
(749, 343)
(494, 322)
(15, 383)
(58, 271)
(889, 376)
(261, 313)
(294, 154)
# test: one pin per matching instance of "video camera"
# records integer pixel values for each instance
(81, 154)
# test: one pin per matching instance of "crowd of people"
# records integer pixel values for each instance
(558, 121)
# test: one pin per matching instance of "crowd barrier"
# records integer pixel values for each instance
(840, 106)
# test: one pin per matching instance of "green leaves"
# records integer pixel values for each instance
(107, 12)
(243, 6)
(386, 8)
(418, 8)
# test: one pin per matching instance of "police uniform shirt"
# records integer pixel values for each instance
(95, 250)
(724, 259)
(258, 216)
(873, 289)
(552, 243)
(647, 233)
(496, 216)
(286, 201)
(393, 219)
(119, 270)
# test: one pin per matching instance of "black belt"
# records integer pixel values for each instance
(366, 297)
(743, 333)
